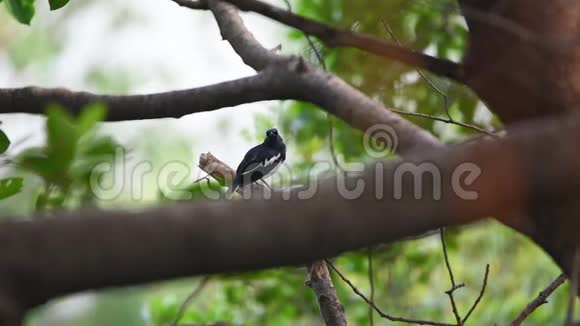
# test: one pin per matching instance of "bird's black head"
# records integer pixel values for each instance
(273, 138)
(272, 133)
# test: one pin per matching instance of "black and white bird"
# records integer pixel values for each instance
(261, 161)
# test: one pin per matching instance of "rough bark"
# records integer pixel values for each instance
(523, 57)
(319, 280)
(523, 60)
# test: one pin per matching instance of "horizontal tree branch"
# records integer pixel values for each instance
(172, 104)
(92, 249)
(291, 80)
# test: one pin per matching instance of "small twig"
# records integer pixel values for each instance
(203, 178)
(447, 264)
(331, 146)
(451, 278)
(459, 123)
(573, 287)
(540, 300)
(188, 300)
(377, 309)
(436, 89)
(429, 82)
(372, 284)
(481, 293)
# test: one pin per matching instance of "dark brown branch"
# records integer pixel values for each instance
(47, 258)
(540, 300)
(333, 37)
(377, 309)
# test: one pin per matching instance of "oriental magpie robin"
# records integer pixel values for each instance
(260, 161)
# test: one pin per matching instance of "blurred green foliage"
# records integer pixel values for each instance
(67, 162)
(410, 277)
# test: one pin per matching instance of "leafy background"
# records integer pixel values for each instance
(55, 169)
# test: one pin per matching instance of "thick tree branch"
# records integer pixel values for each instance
(333, 37)
(46, 258)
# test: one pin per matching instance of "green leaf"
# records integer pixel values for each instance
(57, 4)
(62, 137)
(22, 10)
(4, 141)
(91, 114)
(10, 187)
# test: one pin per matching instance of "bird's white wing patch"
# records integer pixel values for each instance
(271, 160)
(266, 163)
